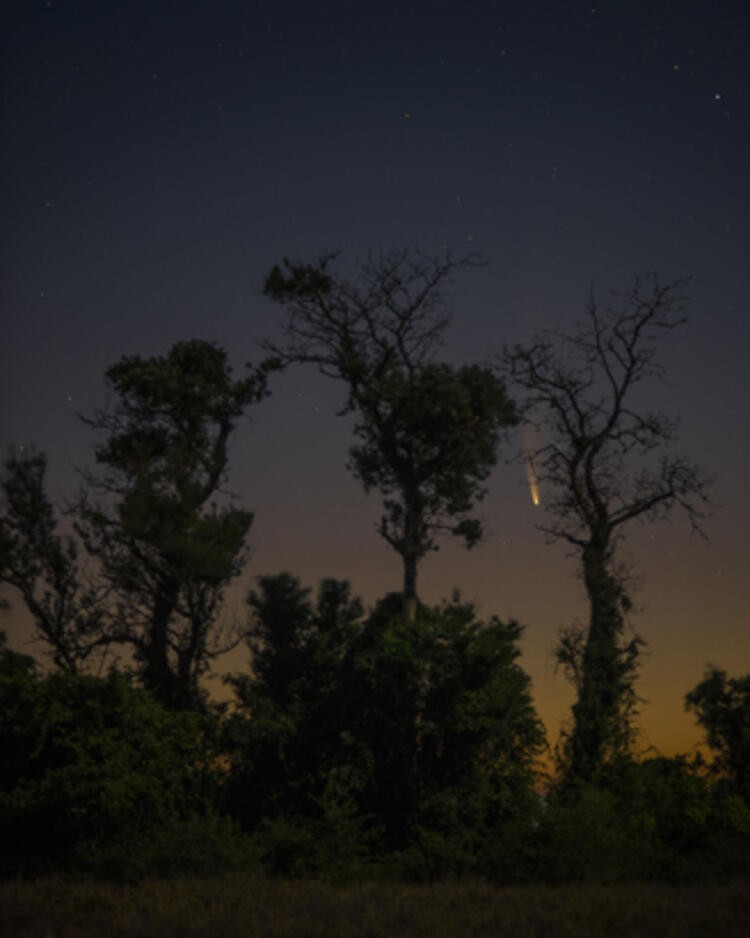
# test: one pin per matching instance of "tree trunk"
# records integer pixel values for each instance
(410, 554)
(597, 712)
(189, 658)
(410, 585)
(157, 674)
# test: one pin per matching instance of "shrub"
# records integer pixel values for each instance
(95, 766)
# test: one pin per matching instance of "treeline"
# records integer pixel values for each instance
(400, 741)
(359, 747)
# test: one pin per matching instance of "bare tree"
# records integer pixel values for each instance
(606, 462)
(428, 432)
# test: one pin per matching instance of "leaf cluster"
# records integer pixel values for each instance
(428, 443)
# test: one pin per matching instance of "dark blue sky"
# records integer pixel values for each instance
(158, 158)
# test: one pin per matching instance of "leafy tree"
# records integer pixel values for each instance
(445, 712)
(286, 737)
(43, 566)
(428, 443)
(722, 707)
(403, 735)
(606, 463)
(428, 432)
(165, 545)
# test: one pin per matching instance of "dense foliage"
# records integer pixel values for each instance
(361, 746)
(390, 735)
(97, 776)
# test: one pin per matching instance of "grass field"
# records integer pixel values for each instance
(242, 907)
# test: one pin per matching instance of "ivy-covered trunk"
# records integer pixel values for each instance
(597, 712)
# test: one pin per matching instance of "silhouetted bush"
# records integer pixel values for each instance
(655, 819)
(380, 737)
(721, 705)
(100, 778)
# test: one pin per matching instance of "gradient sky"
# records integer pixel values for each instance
(158, 158)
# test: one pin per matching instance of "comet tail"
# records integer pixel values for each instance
(532, 480)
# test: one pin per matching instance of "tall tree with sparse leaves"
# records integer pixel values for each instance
(604, 463)
(167, 538)
(428, 432)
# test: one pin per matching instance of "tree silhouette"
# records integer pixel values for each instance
(152, 518)
(287, 734)
(423, 723)
(428, 432)
(606, 463)
(722, 707)
(44, 566)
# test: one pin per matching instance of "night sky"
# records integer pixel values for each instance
(158, 158)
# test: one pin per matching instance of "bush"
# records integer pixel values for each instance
(358, 737)
(95, 768)
(198, 845)
(658, 819)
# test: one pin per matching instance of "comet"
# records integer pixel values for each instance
(532, 479)
(530, 443)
